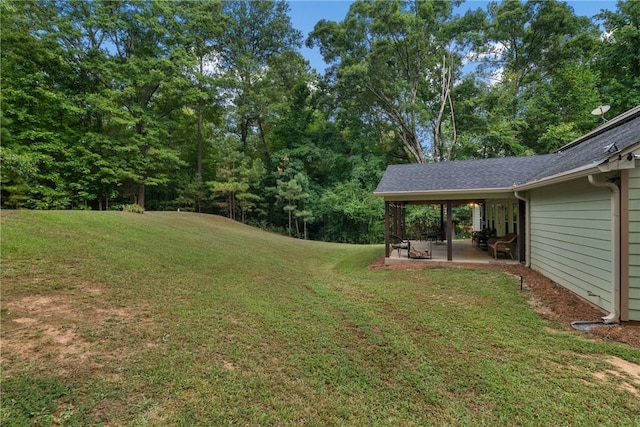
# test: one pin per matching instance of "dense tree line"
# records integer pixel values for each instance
(209, 106)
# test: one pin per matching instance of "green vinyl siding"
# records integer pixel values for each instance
(571, 238)
(634, 243)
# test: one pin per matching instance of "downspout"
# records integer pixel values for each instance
(614, 315)
(527, 237)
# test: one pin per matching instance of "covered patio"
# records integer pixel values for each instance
(488, 184)
(493, 217)
(463, 249)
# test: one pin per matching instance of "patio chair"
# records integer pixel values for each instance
(399, 243)
(481, 238)
(502, 244)
(435, 234)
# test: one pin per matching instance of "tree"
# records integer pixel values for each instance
(523, 46)
(38, 113)
(349, 211)
(237, 176)
(200, 33)
(17, 172)
(258, 42)
(440, 149)
(177, 104)
(618, 58)
(388, 55)
(559, 111)
(293, 192)
(148, 79)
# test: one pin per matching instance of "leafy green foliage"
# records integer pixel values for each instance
(237, 177)
(193, 105)
(17, 171)
(292, 191)
(133, 208)
(387, 56)
(534, 97)
(350, 211)
(618, 60)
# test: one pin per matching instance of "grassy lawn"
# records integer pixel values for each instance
(112, 318)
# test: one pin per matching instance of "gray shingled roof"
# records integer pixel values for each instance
(462, 175)
(503, 173)
(596, 147)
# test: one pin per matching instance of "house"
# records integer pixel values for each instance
(576, 212)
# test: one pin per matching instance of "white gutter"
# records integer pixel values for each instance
(527, 232)
(614, 315)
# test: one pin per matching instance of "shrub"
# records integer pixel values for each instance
(135, 208)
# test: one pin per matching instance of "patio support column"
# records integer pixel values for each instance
(399, 212)
(386, 229)
(484, 215)
(522, 230)
(403, 220)
(396, 220)
(449, 231)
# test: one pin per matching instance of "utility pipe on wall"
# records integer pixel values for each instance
(527, 223)
(614, 315)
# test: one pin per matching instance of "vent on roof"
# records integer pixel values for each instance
(611, 148)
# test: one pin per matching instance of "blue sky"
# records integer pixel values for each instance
(305, 13)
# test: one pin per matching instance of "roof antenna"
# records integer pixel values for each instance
(600, 112)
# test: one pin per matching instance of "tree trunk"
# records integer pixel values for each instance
(199, 137)
(415, 148)
(244, 133)
(141, 189)
(230, 206)
(441, 150)
(199, 160)
(141, 130)
(199, 147)
(267, 152)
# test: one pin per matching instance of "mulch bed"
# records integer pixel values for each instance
(552, 301)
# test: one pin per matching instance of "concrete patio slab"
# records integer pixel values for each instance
(463, 252)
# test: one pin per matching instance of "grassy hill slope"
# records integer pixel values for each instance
(175, 318)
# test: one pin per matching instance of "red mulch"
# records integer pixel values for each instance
(551, 300)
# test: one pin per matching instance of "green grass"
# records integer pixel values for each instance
(185, 319)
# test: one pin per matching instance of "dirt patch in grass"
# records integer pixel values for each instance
(65, 329)
(548, 299)
(625, 375)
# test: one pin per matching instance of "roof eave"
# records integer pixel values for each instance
(580, 172)
(615, 162)
(464, 193)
